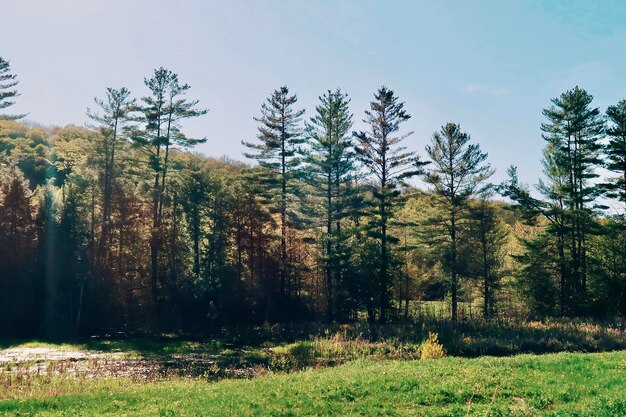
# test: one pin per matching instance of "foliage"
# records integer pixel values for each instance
(457, 175)
(431, 348)
(389, 163)
(279, 156)
(119, 227)
(330, 170)
(7, 94)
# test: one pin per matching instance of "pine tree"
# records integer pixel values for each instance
(330, 168)
(253, 225)
(457, 175)
(389, 163)
(114, 128)
(18, 284)
(551, 208)
(7, 92)
(574, 130)
(616, 151)
(278, 154)
(488, 236)
(163, 112)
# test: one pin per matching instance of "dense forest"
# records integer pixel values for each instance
(120, 226)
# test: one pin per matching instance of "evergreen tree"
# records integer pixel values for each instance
(255, 264)
(114, 127)
(613, 246)
(278, 154)
(70, 247)
(574, 129)
(457, 175)
(330, 166)
(18, 286)
(7, 92)
(535, 275)
(389, 163)
(551, 208)
(163, 112)
(616, 151)
(488, 236)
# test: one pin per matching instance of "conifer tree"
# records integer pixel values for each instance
(553, 241)
(616, 151)
(7, 92)
(163, 111)
(278, 154)
(18, 284)
(574, 129)
(389, 163)
(487, 240)
(330, 166)
(114, 128)
(457, 175)
(571, 157)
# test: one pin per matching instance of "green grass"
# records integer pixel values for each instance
(564, 384)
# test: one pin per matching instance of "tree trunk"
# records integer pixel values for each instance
(453, 270)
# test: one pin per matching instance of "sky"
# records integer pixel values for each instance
(491, 66)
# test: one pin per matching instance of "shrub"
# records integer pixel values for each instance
(291, 357)
(431, 348)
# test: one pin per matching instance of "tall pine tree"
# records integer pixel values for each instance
(278, 154)
(163, 110)
(574, 129)
(389, 163)
(330, 166)
(457, 174)
(114, 127)
(616, 152)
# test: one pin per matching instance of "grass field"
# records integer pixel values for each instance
(564, 384)
(355, 369)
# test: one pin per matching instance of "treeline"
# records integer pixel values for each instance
(118, 226)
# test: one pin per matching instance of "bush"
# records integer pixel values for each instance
(431, 348)
(291, 357)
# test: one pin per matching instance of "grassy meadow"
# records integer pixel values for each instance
(563, 384)
(423, 368)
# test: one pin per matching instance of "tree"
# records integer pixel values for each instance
(552, 209)
(573, 130)
(163, 112)
(18, 285)
(330, 166)
(253, 225)
(614, 244)
(571, 157)
(488, 237)
(616, 151)
(114, 128)
(278, 153)
(536, 272)
(389, 163)
(7, 92)
(457, 174)
(70, 252)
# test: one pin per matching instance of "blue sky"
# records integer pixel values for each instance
(491, 66)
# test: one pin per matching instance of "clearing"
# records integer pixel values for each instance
(563, 384)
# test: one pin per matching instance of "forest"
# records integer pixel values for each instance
(120, 227)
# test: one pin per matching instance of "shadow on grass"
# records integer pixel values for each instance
(250, 351)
